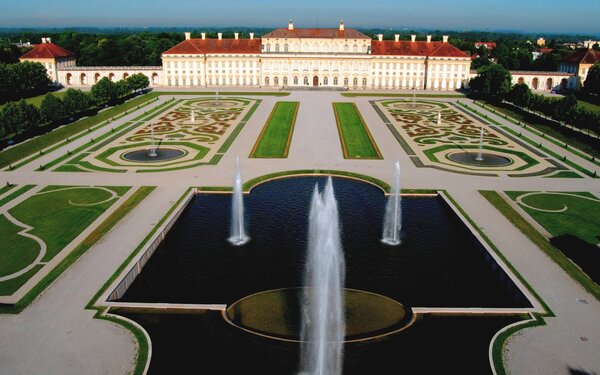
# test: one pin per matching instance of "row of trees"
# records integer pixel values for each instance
(19, 117)
(493, 83)
(22, 80)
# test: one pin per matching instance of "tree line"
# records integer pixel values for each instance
(493, 83)
(19, 117)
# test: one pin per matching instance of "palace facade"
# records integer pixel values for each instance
(319, 57)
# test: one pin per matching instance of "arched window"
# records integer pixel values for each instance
(364, 82)
(285, 48)
(346, 81)
(276, 47)
(355, 82)
(276, 81)
(306, 81)
(325, 81)
(285, 80)
(549, 83)
(521, 80)
(335, 81)
(296, 80)
(345, 48)
(111, 76)
(267, 81)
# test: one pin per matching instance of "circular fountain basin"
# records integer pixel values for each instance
(162, 154)
(486, 160)
(276, 314)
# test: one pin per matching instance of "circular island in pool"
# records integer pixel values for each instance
(277, 314)
(479, 159)
(162, 154)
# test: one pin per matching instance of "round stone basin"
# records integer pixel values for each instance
(162, 154)
(276, 314)
(487, 160)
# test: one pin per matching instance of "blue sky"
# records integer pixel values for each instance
(539, 16)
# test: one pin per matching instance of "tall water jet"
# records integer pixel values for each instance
(323, 324)
(152, 152)
(392, 223)
(439, 122)
(193, 116)
(217, 97)
(479, 153)
(238, 235)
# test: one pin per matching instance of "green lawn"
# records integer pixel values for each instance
(17, 251)
(356, 140)
(542, 242)
(37, 100)
(581, 219)
(57, 217)
(274, 140)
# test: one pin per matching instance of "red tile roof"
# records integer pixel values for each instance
(47, 51)
(316, 33)
(546, 50)
(583, 56)
(198, 46)
(418, 48)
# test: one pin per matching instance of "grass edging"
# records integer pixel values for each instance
(343, 132)
(87, 243)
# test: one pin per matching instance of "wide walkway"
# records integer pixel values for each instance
(55, 335)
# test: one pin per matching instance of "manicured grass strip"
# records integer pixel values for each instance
(565, 174)
(276, 135)
(87, 243)
(6, 188)
(540, 241)
(390, 95)
(37, 144)
(14, 194)
(355, 137)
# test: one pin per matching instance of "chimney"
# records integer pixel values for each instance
(188, 36)
(445, 38)
(203, 35)
(43, 40)
(413, 38)
(380, 37)
(220, 36)
(291, 25)
(341, 25)
(251, 36)
(236, 35)
(397, 38)
(428, 38)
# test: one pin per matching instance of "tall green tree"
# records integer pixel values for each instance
(18, 117)
(564, 108)
(492, 81)
(591, 85)
(138, 81)
(520, 95)
(104, 92)
(76, 101)
(32, 78)
(52, 109)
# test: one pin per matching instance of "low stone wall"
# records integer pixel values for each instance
(137, 264)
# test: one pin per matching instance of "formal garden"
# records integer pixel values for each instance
(179, 133)
(443, 136)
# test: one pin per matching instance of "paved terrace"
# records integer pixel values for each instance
(55, 335)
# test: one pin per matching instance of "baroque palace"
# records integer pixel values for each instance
(294, 57)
